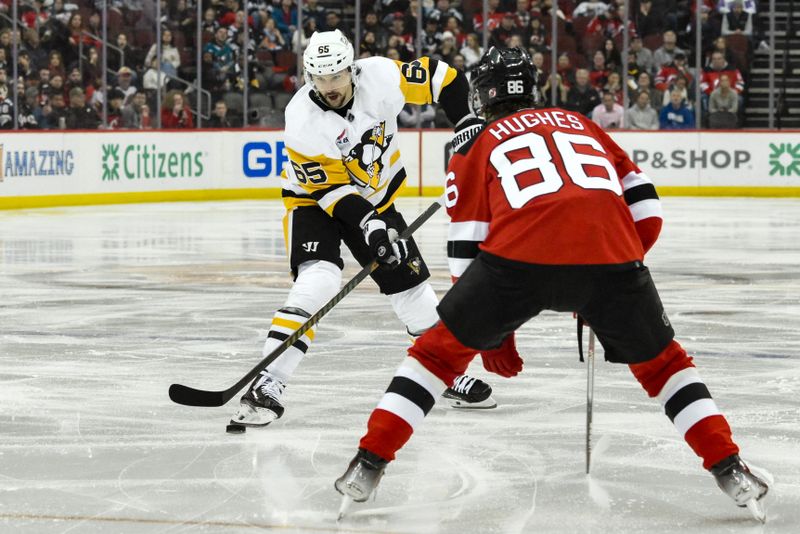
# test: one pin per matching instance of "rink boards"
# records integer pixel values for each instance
(71, 168)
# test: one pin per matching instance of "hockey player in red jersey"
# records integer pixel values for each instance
(547, 213)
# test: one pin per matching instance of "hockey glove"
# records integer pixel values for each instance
(504, 360)
(466, 128)
(385, 248)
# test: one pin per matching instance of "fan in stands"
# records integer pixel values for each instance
(658, 32)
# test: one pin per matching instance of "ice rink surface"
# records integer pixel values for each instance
(104, 307)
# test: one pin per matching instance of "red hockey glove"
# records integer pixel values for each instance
(504, 360)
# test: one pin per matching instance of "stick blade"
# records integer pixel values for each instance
(187, 396)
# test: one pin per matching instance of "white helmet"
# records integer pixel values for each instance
(327, 53)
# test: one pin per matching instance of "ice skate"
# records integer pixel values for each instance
(470, 393)
(358, 483)
(735, 479)
(261, 405)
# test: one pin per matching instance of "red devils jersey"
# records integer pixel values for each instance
(548, 186)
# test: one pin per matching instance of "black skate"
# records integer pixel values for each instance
(261, 405)
(471, 393)
(358, 483)
(746, 489)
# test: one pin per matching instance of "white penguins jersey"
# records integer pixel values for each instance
(334, 153)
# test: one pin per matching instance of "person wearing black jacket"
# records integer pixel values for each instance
(54, 112)
(220, 118)
(125, 56)
(582, 97)
(6, 110)
(27, 118)
(80, 115)
(648, 20)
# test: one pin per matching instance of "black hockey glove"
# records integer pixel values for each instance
(383, 242)
(465, 130)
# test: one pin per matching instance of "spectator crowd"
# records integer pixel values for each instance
(61, 83)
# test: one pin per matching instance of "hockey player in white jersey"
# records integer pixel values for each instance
(345, 172)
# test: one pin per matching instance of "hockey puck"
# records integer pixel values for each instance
(235, 428)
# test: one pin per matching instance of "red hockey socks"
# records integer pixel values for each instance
(434, 361)
(410, 396)
(672, 377)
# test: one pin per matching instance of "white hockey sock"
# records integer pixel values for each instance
(284, 323)
(416, 307)
(317, 282)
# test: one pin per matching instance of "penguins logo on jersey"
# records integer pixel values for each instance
(364, 160)
(415, 265)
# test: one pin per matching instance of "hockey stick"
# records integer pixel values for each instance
(199, 397)
(589, 398)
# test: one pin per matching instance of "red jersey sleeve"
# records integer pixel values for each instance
(638, 189)
(466, 199)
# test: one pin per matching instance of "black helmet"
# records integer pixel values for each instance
(503, 75)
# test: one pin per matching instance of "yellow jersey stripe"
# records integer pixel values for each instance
(313, 173)
(443, 76)
(294, 325)
(287, 229)
(293, 202)
(394, 187)
(388, 202)
(414, 80)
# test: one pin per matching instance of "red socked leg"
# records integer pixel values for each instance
(673, 379)
(434, 361)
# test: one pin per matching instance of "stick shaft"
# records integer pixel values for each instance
(197, 397)
(589, 399)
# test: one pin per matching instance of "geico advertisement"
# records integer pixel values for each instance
(715, 159)
(263, 157)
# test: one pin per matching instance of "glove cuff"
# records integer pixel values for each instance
(367, 218)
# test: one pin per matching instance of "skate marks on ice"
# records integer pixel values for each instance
(597, 493)
(104, 307)
(444, 490)
(149, 494)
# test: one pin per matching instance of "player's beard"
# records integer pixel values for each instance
(338, 97)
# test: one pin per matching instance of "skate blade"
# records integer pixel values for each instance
(756, 508)
(344, 507)
(253, 417)
(459, 404)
